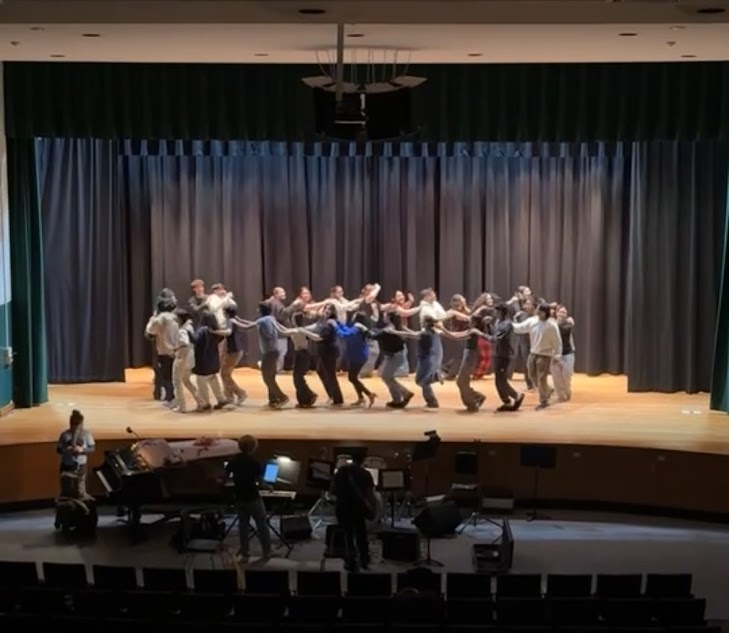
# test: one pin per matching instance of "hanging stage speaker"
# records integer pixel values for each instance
(400, 545)
(296, 527)
(438, 520)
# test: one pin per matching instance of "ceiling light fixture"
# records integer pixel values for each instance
(710, 10)
(678, 27)
(688, 56)
(312, 11)
(627, 34)
(260, 54)
(355, 34)
(57, 55)
(91, 35)
(475, 54)
(37, 28)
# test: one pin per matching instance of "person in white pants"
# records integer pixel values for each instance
(184, 362)
(563, 369)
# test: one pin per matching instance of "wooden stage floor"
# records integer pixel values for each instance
(601, 413)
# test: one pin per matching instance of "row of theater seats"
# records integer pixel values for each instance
(75, 576)
(66, 600)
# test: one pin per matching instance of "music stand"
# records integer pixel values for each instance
(319, 475)
(537, 456)
(425, 452)
(392, 480)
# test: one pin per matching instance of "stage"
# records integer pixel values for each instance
(602, 413)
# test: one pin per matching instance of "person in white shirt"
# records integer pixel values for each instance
(162, 327)
(429, 308)
(545, 348)
(217, 301)
(184, 362)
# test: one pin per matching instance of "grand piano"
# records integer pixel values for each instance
(161, 478)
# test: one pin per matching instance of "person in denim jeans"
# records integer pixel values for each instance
(393, 351)
(246, 471)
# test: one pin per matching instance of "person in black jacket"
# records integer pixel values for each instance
(354, 488)
(503, 352)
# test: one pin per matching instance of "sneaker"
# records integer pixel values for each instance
(371, 397)
(358, 403)
(504, 407)
(222, 404)
(241, 399)
(518, 402)
(407, 398)
(433, 404)
(541, 406)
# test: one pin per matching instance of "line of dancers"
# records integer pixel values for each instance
(204, 339)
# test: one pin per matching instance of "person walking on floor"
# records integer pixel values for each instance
(162, 328)
(471, 398)
(184, 362)
(356, 348)
(503, 352)
(545, 348)
(207, 361)
(563, 369)
(246, 472)
(393, 353)
(232, 353)
(426, 372)
(269, 346)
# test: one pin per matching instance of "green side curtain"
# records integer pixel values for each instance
(469, 102)
(720, 371)
(27, 277)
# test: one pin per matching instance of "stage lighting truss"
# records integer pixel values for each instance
(368, 71)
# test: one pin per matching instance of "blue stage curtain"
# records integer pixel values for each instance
(577, 222)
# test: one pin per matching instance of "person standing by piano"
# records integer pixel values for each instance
(74, 444)
(246, 472)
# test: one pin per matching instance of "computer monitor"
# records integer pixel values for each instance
(391, 479)
(270, 473)
(289, 472)
(319, 474)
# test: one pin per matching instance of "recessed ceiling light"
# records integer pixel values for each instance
(91, 35)
(57, 55)
(688, 56)
(355, 34)
(710, 10)
(475, 54)
(627, 34)
(312, 11)
(37, 28)
(260, 54)
(678, 27)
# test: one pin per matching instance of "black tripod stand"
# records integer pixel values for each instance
(533, 514)
(428, 561)
(425, 452)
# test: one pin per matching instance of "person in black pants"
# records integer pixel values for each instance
(503, 354)
(328, 354)
(300, 335)
(354, 491)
